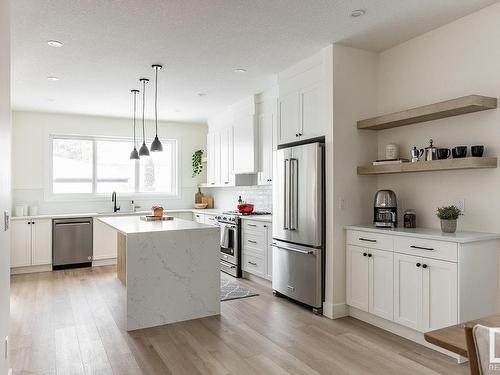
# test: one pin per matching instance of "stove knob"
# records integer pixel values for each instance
(225, 218)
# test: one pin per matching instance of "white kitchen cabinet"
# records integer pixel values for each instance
(31, 243)
(381, 283)
(266, 124)
(104, 241)
(423, 280)
(425, 292)
(289, 123)
(256, 252)
(439, 294)
(20, 255)
(369, 280)
(205, 218)
(41, 231)
(407, 291)
(212, 164)
(310, 112)
(199, 218)
(226, 157)
(245, 145)
(357, 277)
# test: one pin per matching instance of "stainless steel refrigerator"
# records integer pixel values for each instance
(298, 224)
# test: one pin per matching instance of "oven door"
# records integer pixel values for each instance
(229, 242)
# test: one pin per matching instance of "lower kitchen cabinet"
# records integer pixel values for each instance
(204, 218)
(104, 241)
(31, 243)
(419, 282)
(256, 250)
(370, 280)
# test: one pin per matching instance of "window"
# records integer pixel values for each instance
(96, 166)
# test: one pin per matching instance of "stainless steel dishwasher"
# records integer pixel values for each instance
(72, 243)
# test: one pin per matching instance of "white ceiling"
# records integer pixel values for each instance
(109, 45)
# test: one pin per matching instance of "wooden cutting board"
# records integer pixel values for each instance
(156, 218)
(208, 200)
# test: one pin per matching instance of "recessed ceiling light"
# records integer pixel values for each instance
(52, 78)
(202, 94)
(54, 43)
(358, 13)
(240, 70)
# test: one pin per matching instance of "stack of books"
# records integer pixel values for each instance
(390, 161)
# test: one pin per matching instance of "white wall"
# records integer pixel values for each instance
(30, 137)
(5, 185)
(458, 59)
(354, 97)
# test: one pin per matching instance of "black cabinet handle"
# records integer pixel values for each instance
(252, 241)
(418, 264)
(252, 263)
(252, 225)
(367, 240)
(300, 134)
(422, 248)
(369, 255)
(365, 254)
(424, 265)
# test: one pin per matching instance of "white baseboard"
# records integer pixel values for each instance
(103, 262)
(399, 330)
(30, 269)
(335, 310)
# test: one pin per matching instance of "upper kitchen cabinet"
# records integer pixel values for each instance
(267, 108)
(300, 102)
(245, 144)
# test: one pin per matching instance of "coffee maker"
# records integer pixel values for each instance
(385, 211)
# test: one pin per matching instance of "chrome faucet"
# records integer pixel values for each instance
(113, 199)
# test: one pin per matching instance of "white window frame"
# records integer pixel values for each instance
(51, 196)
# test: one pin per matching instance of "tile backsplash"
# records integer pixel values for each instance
(227, 197)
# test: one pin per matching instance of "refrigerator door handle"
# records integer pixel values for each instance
(286, 194)
(294, 183)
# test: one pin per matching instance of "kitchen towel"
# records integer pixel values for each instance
(224, 236)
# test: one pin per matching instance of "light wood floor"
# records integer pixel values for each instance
(71, 322)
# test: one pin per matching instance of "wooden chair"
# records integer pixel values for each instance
(478, 347)
(471, 351)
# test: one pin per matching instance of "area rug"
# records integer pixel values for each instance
(230, 289)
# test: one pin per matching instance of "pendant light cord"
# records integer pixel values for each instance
(143, 109)
(156, 100)
(135, 106)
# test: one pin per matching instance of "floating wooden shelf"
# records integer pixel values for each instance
(427, 166)
(449, 108)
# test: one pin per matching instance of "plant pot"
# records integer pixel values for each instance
(449, 226)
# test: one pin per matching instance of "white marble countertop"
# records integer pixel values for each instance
(95, 214)
(134, 224)
(207, 211)
(429, 233)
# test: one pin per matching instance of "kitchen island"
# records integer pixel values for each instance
(171, 269)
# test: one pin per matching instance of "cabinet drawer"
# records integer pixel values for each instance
(427, 248)
(253, 264)
(371, 240)
(254, 226)
(255, 242)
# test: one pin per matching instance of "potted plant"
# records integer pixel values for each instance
(448, 216)
(197, 161)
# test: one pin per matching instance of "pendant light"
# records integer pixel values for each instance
(156, 145)
(134, 155)
(143, 151)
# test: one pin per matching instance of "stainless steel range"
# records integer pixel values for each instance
(230, 253)
(230, 241)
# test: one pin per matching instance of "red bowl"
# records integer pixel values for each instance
(245, 208)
